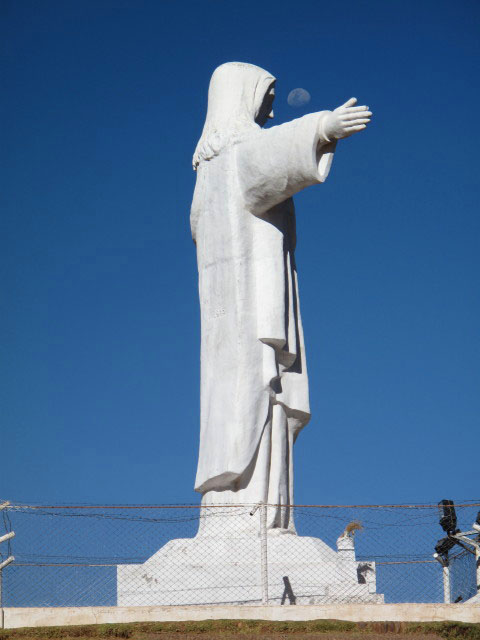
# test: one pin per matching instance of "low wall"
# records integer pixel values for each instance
(50, 616)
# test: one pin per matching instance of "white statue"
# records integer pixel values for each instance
(254, 384)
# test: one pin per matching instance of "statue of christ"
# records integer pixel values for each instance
(254, 384)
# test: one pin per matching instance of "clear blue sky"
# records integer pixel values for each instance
(103, 102)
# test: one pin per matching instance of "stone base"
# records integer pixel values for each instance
(227, 570)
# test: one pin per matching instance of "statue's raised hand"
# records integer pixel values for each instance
(345, 120)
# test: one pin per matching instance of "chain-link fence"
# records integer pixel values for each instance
(89, 555)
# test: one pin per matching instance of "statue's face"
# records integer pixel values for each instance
(265, 112)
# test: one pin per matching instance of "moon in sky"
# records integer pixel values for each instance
(298, 97)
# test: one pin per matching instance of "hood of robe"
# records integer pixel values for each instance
(235, 95)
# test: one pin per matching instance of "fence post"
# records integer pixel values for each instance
(5, 563)
(263, 551)
(446, 584)
(263, 548)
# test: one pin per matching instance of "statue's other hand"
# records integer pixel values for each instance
(346, 120)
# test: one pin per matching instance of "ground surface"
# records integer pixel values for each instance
(254, 630)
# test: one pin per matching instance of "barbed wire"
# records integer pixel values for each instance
(475, 503)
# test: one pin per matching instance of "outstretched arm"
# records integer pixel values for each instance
(274, 164)
(344, 121)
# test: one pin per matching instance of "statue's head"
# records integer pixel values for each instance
(240, 91)
(240, 98)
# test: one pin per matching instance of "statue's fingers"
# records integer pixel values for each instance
(349, 103)
(353, 123)
(361, 113)
(357, 127)
(359, 108)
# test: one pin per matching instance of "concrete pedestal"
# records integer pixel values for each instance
(213, 569)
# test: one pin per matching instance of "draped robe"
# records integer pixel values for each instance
(252, 346)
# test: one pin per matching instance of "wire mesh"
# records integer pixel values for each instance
(88, 555)
(463, 582)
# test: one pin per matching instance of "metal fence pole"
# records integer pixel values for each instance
(264, 552)
(262, 507)
(446, 584)
(8, 536)
(4, 564)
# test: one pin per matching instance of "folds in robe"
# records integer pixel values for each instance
(252, 347)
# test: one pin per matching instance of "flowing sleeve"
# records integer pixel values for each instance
(276, 163)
